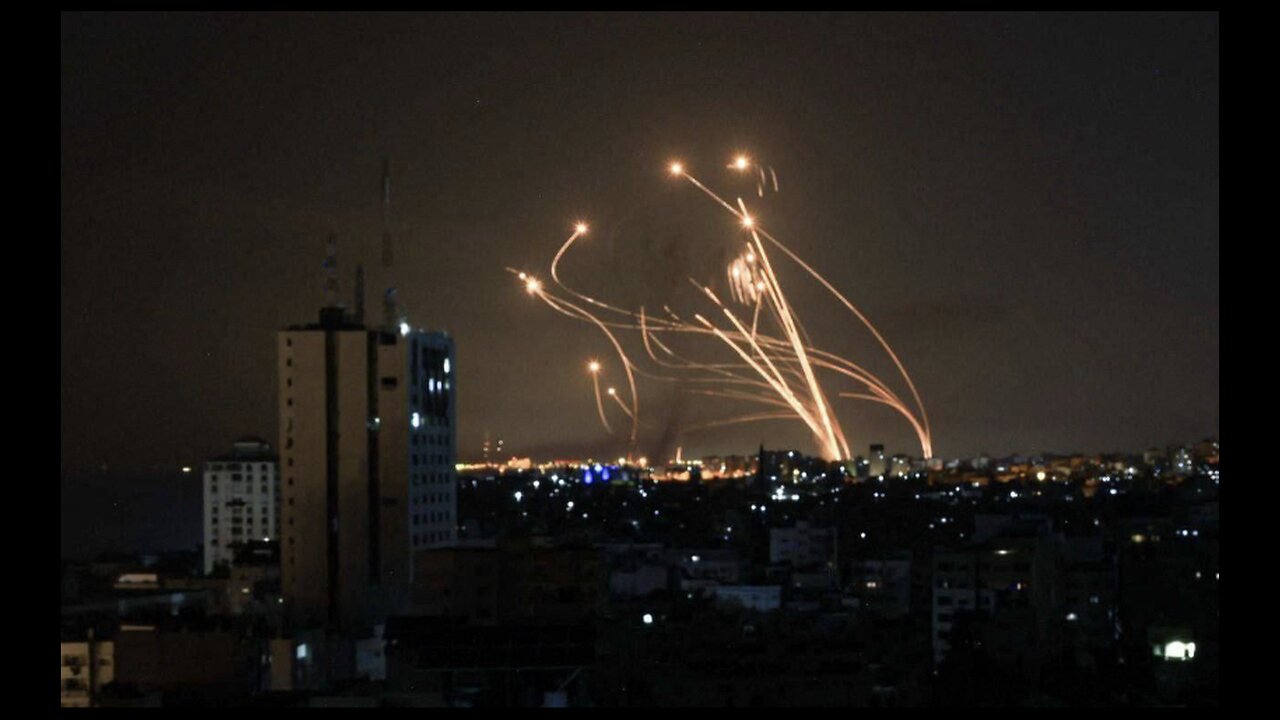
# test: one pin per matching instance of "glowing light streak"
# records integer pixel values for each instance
(781, 370)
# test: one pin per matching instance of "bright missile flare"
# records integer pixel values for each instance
(772, 361)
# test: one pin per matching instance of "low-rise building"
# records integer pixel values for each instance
(87, 666)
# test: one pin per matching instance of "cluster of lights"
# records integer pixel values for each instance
(779, 495)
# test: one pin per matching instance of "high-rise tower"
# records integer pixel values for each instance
(367, 456)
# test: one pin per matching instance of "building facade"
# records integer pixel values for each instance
(802, 546)
(241, 501)
(877, 465)
(367, 460)
(86, 667)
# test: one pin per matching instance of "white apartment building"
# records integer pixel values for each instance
(241, 500)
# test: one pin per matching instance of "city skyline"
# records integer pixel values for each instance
(792, 359)
(1036, 237)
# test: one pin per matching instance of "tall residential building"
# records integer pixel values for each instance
(368, 461)
(241, 500)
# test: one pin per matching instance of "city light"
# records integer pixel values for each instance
(1179, 650)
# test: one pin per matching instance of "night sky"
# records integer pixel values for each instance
(1027, 206)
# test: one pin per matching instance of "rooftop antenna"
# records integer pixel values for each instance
(387, 257)
(331, 272)
(360, 294)
(390, 313)
(393, 317)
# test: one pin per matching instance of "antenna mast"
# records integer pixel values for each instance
(360, 294)
(331, 272)
(387, 257)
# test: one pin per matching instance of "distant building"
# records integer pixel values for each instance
(254, 583)
(241, 500)
(712, 467)
(736, 465)
(1206, 451)
(1182, 459)
(636, 570)
(1154, 457)
(760, 598)
(900, 466)
(767, 467)
(1010, 582)
(861, 468)
(877, 465)
(802, 546)
(699, 568)
(884, 584)
(640, 580)
(494, 584)
(1089, 607)
(368, 450)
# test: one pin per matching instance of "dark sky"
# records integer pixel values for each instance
(1027, 206)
